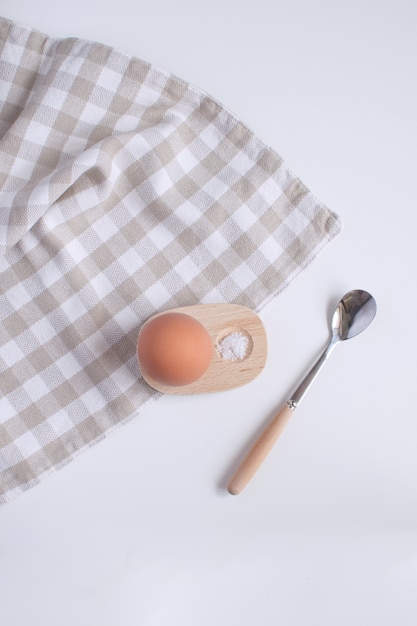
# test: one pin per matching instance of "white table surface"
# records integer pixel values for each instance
(140, 529)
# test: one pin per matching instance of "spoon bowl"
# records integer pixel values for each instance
(353, 314)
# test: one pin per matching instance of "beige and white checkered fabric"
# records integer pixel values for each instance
(124, 191)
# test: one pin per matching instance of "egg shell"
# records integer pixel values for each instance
(174, 349)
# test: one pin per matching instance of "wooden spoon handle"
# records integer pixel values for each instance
(256, 455)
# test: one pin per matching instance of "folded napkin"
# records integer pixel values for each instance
(124, 191)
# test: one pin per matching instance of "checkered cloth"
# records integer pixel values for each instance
(124, 191)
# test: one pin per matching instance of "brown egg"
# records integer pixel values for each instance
(174, 349)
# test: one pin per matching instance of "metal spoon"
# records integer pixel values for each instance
(353, 314)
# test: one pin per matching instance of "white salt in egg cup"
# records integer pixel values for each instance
(220, 321)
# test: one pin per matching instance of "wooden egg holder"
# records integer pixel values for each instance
(220, 320)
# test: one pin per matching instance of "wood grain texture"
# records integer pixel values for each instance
(220, 320)
(257, 454)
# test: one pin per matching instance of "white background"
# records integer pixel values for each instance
(140, 530)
